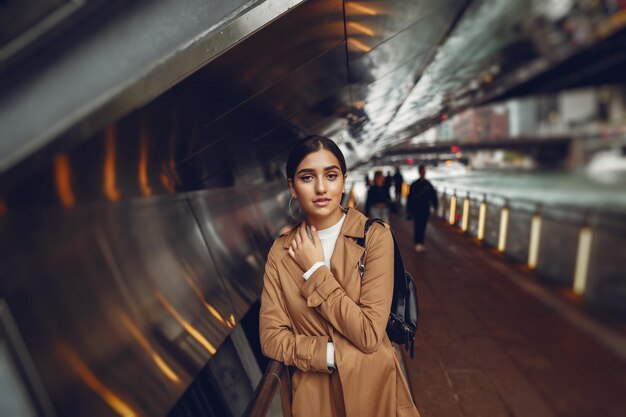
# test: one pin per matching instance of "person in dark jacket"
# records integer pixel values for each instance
(388, 181)
(422, 196)
(398, 180)
(378, 199)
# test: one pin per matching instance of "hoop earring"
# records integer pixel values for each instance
(290, 212)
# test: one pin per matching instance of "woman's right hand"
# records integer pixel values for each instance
(305, 251)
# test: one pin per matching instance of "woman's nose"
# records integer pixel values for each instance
(321, 187)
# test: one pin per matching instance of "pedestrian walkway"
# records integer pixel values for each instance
(488, 347)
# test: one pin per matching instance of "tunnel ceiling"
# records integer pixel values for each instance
(370, 74)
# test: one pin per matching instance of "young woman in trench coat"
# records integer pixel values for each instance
(331, 325)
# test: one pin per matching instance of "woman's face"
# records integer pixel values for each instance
(318, 184)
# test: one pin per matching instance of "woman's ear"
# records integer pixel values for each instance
(291, 188)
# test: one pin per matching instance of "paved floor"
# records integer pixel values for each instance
(487, 347)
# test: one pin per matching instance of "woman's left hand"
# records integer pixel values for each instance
(305, 251)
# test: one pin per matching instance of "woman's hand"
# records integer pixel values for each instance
(305, 251)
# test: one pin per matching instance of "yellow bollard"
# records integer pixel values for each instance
(482, 216)
(465, 221)
(535, 237)
(504, 224)
(452, 209)
(582, 260)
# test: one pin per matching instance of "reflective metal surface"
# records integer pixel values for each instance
(125, 303)
(230, 224)
(403, 37)
(499, 46)
(28, 24)
(141, 59)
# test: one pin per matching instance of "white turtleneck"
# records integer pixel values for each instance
(328, 237)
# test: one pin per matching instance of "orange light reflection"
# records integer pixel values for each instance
(361, 28)
(143, 342)
(144, 185)
(3, 208)
(363, 9)
(359, 45)
(167, 182)
(85, 374)
(62, 179)
(186, 325)
(110, 189)
(208, 306)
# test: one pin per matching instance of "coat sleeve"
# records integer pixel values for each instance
(364, 324)
(278, 341)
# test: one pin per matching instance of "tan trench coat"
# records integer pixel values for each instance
(299, 317)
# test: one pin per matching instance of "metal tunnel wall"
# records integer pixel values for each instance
(124, 304)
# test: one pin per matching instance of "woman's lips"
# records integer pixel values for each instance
(322, 202)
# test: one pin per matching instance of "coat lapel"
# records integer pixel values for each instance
(293, 270)
(344, 260)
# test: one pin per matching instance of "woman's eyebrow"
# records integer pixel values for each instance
(307, 170)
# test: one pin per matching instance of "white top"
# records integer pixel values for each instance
(328, 237)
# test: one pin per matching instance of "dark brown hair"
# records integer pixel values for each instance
(309, 145)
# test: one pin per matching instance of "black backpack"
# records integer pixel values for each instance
(402, 323)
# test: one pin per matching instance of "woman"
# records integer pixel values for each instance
(317, 313)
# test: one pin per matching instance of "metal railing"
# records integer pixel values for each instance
(573, 246)
(275, 379)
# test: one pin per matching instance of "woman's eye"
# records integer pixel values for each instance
(306, 178)
(332, 176)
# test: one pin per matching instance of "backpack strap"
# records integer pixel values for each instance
(361, 242)
(398, 263)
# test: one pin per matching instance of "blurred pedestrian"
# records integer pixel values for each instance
(378, 199)
(422, 196)
(388, 181)
(388, 184)
(398, 181)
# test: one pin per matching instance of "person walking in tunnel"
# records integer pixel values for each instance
(422, 196)
(378, 200)
(317, 313)
(388, 181)
(398, 181)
